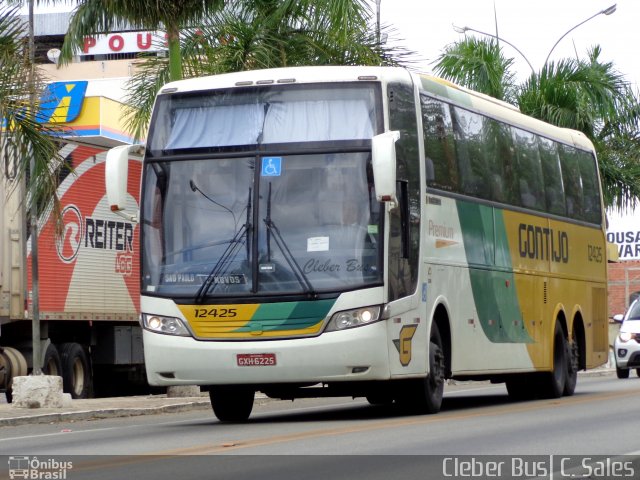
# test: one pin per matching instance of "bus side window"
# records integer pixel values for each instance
(440, 155)
(572, 182)
(532, 188)
(590, 189)
(468, 131)
(552, 176)
(496, 162)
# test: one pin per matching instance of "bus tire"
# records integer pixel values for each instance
(638, 372)
(76, 373)
(51, 363)
(232, 404)
(622, 372)
(434, 382)
(552, 383)
(572, 354)
(425, 395)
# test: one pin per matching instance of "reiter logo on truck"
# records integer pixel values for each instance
(68, 245)
(92, 233)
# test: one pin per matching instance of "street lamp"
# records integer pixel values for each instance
(378, 22)
(606, 11)
(500, 39)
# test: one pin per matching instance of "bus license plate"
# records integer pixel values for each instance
(256, 359)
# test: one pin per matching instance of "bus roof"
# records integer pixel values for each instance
(275, 76)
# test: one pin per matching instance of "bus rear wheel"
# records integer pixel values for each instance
(232, 404)
(572, 353)
(553, 383)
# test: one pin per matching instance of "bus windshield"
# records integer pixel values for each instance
(308, 224)
(260, 191)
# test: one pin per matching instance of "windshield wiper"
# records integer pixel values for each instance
(282, 245)
(229, 254)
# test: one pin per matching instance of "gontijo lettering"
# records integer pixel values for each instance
(540, 243)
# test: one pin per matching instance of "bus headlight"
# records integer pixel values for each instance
(166, 325)
(353, 318)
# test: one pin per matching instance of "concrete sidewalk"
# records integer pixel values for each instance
(95, 408)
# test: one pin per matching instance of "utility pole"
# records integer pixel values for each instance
(35, 298)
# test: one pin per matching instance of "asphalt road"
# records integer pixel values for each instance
(327, 439)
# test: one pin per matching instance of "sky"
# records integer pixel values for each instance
(532, 26)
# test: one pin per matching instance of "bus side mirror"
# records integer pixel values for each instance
(383, 159)
(116, 177)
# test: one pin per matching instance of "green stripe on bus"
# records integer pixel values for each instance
(494, 291)
(288, 315)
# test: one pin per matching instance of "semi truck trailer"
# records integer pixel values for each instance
(88, 285)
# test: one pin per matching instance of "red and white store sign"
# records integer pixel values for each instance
(124, 42)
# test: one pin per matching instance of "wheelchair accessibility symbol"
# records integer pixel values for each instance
(271, 166)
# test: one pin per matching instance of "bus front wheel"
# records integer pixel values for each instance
(425, 395)
(232, 404)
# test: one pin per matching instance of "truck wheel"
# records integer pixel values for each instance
(17, 368)
(51, 364)
(76, 376)
(5, 375)
(232, 404)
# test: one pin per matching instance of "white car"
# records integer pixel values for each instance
(627, 344)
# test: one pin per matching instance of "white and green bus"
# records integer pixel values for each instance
(363, 231)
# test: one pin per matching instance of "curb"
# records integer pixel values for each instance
(102, 413)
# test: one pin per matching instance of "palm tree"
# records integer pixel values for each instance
(102, 16)
(583, 94)
(23, 137)
(254, 34)
(479, 65)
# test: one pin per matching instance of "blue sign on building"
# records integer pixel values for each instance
(61, 102)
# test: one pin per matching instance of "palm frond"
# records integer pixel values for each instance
(480, 65)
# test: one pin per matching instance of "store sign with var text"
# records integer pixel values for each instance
(624, 231)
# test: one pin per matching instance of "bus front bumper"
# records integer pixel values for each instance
(358, 354)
